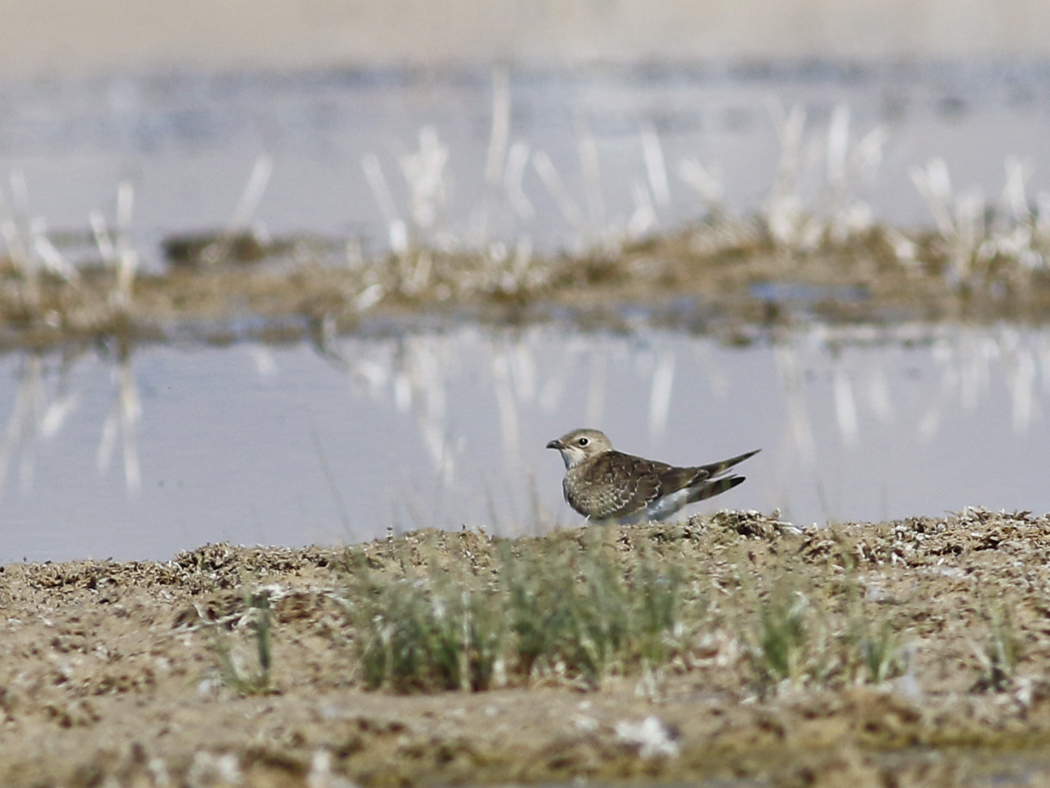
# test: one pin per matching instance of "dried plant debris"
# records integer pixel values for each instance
(911, 652)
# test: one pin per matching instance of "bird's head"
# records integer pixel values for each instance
(580, 445)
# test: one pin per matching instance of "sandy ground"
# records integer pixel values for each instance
(68, 36)
(108, 670)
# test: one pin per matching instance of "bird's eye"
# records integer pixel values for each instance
(583, 441)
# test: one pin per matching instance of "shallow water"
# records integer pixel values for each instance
(173, 447)
(616, 137)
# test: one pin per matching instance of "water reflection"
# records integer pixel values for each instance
(355, 435)
(546, 158)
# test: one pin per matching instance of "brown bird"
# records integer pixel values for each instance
(608, 486)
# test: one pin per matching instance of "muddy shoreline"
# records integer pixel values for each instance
(722, 279)
(110, 673)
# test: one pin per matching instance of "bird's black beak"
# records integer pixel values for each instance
(555, 444)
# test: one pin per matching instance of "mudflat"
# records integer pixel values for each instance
(731, 647)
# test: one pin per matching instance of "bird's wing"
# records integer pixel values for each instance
(634, 482)
(673, 479)
(620, 485)
(665, 479)
(716, 468)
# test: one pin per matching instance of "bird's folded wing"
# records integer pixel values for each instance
(638, 482)
(715, 468)
(675, 479)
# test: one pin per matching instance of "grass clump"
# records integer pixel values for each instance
(879, 653)
(580, 614)
(416, 634)
(801, 640)
(873, 651)
(822, 632)
(565, 611)
(782, 643)
(1000, 651)
(232, 672)
(434, 612)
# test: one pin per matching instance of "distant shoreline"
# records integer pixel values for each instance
(81, 37)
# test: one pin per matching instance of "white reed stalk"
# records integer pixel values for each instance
(499, 133)
(783, 208)
(252, 195)
(1015, 197)
(570, 211)
(396, 227)
(522, 258)
(369, 297)
(126, 254)
(789, 128)
(48, 254)
(587, 149)
(513, 180)
(11, 224)
(707, 185)
(935, 186)
(838, 148)
(655, 166)
(106, 250)
(643, 219)
(241, 220)
(424, 173)
(866, 158)
(16, 248)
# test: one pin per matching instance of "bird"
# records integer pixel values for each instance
(608, 486)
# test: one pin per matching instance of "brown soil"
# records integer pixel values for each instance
(108, 670)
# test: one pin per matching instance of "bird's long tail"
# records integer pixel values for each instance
(717, 468)
(715, 486)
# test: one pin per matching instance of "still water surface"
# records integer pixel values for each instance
(616, 139)
(174, 447)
